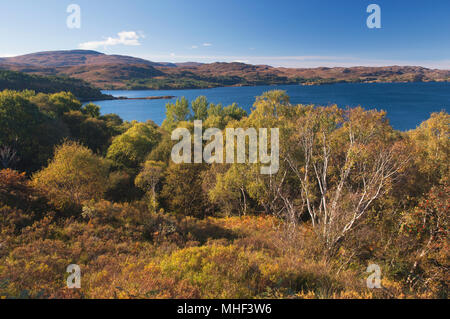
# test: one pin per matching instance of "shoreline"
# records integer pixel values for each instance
(286, 84)
(108, 97)
(165, 97)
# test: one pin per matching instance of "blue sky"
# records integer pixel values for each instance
(293, 33)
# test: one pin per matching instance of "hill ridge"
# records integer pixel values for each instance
(126, 72)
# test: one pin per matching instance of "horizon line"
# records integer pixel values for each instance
(307, 61)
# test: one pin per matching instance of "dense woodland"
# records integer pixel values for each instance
(78, 187)
(19, 81)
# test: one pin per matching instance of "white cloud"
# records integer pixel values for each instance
(206, 44)
(130, 38)
(8, 55)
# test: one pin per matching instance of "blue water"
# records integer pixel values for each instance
(407, 104)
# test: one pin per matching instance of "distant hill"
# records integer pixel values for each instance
(49, 84)
(125, 72)
(188, 64)
(73, 58)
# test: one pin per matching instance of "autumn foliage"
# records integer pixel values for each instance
(103, 194)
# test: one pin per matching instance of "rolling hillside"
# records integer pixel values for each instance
(49, 84)
(124, 72)
(74, 58)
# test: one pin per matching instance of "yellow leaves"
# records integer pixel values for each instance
(250, 267)
(131, 148)
(306, 295)
(271, 271)
(99, 276)
(431, 145)
(74, 175)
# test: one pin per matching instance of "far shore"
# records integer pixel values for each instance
(107, 97)
(165, 97)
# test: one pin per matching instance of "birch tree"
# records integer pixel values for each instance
(348, 159)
